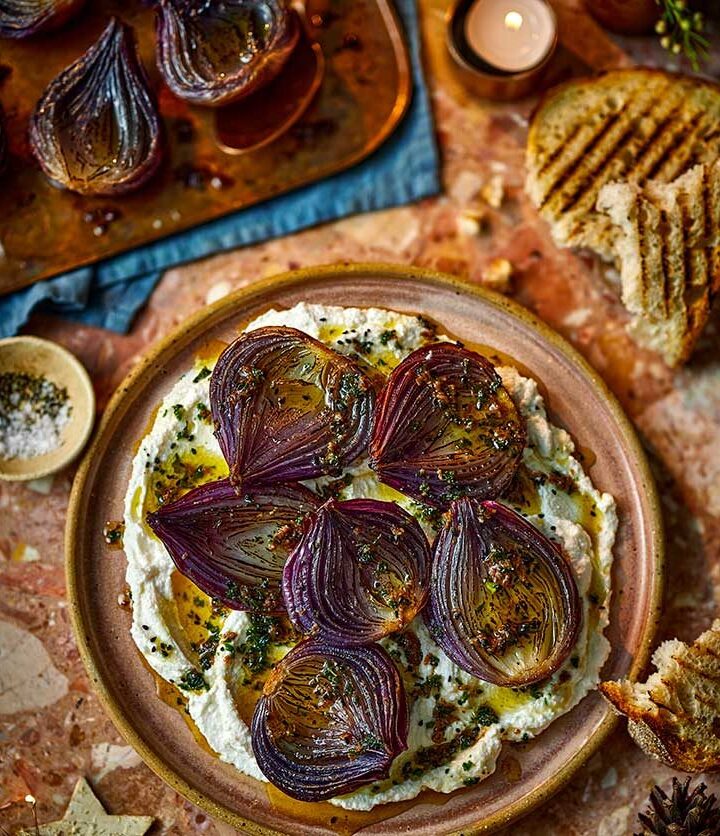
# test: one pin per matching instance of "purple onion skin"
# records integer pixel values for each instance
(336, 584)
(330, 720)
(23, 18)
(96, 129)
(201, 47)
(445, 427)
(288, 408)
(219, 539)
(500, 587)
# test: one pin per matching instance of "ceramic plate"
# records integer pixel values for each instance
(527, 774)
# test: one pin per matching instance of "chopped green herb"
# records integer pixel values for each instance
(485, 716)
(202, 374)
(193, 680)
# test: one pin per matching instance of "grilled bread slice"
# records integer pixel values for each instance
(668, 247)
(629, 125)
(675, 715)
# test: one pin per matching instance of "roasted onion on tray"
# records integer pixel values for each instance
(360, 572)
(287, 407)
(214, 52)
(234, 546)
(22, 18)
(330, 720)
(96, 128)
(503, 602)
(445, 427)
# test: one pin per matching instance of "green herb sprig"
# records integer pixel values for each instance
(681, 28)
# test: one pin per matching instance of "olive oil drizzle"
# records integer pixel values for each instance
(254, 657)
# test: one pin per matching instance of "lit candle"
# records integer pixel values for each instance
(502, 49)
(511, 35)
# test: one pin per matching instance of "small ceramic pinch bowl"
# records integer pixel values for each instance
(42, 358)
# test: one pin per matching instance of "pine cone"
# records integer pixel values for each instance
(685, 813)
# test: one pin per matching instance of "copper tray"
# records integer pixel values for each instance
(527, 773)
(45, 231)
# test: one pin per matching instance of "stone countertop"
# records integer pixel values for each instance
(52, 728)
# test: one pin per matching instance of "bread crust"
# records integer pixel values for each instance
(675, 716)
(668, 250)
(642, 131)
(631, 125)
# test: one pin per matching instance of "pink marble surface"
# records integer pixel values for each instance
(52, 728)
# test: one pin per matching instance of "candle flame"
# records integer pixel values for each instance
(513, 20)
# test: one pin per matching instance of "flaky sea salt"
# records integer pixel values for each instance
(33, 413)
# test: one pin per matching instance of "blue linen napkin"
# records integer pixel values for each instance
(109, 294)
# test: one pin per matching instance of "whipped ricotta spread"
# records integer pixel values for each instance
(215, 660)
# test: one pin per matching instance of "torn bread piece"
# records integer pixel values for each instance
(630, 125)
(669, 256)
(675, 715)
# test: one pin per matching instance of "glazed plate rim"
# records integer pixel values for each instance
(191, 330)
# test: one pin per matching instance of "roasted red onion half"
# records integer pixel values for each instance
(218, 51)
(360, 572)
(22, 18)
(234, 546)
(96, 128)
(330, 720)
(445, 427)
(286, 407)
(503, 604)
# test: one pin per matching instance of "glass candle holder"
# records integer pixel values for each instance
(502, 48)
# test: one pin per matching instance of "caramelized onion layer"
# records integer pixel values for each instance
(330, 720)
(234, 546)
(360, 572)
(286, 407)
(96, 128)
(503, 601)
(218, 51)
(445, 427)
(22, 18)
